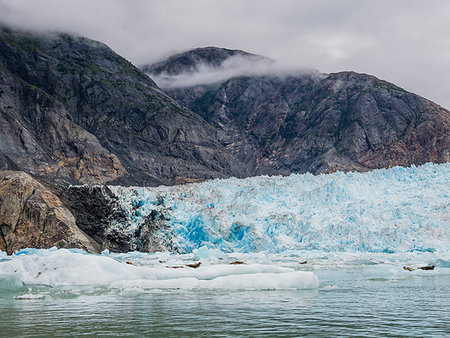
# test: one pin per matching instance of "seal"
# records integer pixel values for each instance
(429, 267)
(194, 265)
(407, 268)
(236, 263)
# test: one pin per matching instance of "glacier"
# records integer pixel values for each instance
(387, 211)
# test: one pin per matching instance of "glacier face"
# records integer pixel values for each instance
(388, 210)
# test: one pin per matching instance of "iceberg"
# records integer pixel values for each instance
(59, 268)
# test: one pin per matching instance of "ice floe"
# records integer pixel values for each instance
(71, 268)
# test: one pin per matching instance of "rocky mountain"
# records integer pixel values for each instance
(73, 110)
(306, 121)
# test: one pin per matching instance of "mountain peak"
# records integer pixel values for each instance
(189, 61)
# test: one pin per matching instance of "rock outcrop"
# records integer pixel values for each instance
(32, 216)
(311, 122)
(100, 214)
(37, 136)
(97, 210)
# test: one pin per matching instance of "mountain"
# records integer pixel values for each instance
(73, 111)
(190, 61)
(305, 121)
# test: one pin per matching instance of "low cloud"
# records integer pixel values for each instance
(234, 66)
(402, 41)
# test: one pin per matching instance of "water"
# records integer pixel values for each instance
(358, 295)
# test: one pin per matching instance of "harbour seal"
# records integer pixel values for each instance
(194, 265)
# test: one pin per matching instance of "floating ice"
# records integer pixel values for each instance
(69, 268)
(387, 210)
(30, 296)
(254, 281)
(260, 271)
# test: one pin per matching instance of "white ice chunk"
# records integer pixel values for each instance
(257, 281)
(63, 267)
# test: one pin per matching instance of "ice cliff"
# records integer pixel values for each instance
(387, 210)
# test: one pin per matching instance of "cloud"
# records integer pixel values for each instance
(233, 66)
(402, 41)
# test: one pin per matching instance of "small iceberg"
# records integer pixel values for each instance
(68, 268)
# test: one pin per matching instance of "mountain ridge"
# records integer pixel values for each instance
(319, 123)
(138, 134)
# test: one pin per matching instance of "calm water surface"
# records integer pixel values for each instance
(346, 304)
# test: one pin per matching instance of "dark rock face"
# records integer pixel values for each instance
(100, 215)
(316, 123)
(36, 135)
(74, 110)
(154, 234)
(96, 208)
(31, 216)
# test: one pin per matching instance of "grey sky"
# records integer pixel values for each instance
(403, 41)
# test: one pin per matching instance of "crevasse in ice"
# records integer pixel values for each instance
(388, 210)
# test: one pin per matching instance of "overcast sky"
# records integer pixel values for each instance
(403, 41)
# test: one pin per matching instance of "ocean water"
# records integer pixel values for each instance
(284, 256)
(62, 293)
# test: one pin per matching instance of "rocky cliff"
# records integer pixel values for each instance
(73, 110)
(306, 121)
(31, 216)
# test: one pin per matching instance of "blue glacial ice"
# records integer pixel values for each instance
(388, 210)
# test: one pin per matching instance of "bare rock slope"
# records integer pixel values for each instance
(306, 121)
(73, 110)
(31, 216)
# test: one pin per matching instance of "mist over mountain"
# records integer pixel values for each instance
(278, 121)
(211, 65)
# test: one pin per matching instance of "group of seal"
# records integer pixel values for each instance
(428, 267)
